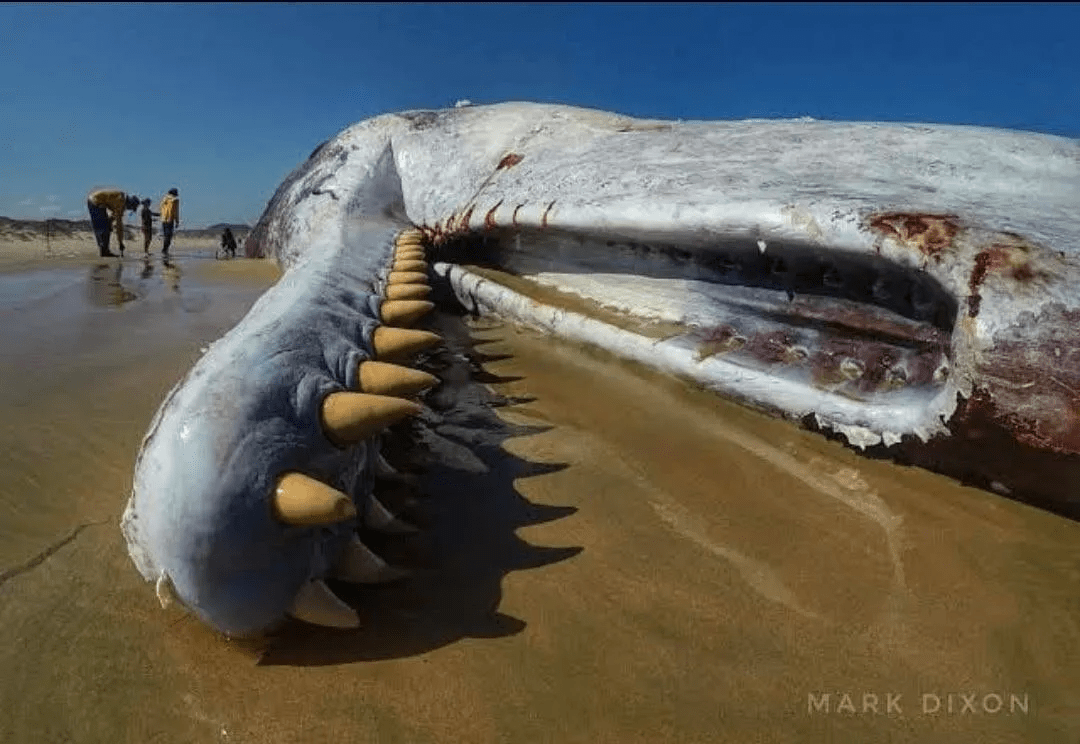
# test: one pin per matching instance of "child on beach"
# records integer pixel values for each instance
(147, 224)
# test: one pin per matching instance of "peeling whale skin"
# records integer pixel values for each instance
(913, 290)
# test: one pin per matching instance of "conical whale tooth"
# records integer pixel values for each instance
(404, 312)
(359, 565)
(409, 264)
(380, 378)
(348, 418)
(302, 500)
(396, 342)
(377, 517)
(406, 277)
(316, 604)
(383, 469)
(408, 292)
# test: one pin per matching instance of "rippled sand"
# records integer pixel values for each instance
(609, 556)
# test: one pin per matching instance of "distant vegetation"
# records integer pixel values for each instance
(31, 229)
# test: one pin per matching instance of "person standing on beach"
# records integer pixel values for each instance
(170, 217)
(228, 243)
(106, 208)
(147, 224)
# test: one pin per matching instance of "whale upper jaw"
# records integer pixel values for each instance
(936, 248)
(898, 285)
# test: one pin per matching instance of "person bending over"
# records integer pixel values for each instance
(106, 208)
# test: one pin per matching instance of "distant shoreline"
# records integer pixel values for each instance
(13, 229)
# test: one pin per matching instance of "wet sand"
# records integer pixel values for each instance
(607, 556)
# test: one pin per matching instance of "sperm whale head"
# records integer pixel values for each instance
(889, 283)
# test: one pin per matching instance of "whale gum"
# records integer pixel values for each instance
(729, 565)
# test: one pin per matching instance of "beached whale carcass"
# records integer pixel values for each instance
(911, 288)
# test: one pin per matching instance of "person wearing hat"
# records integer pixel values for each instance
(107, 209)
(147, 224)
(170, 217)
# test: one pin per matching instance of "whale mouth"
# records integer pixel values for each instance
(871, 336)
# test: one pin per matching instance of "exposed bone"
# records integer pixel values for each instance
(348, 418)
(407, 277)
(408, 292)
(359, 565)
(380, 378)
(404, 313)
(377, 517)
(316, 604)
(301, 500)
(390, 343)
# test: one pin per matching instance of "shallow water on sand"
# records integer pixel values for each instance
(607, 556)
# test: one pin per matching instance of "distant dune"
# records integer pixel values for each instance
(12, 230)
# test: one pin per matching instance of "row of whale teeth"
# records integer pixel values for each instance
(351, 417)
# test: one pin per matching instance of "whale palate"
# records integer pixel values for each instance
(380, 378)
(404, 312)
(348, 418)
(406, 277)
(396, 342)
(302, 500)
(316, 604)
(410, 253)
(359, 565)
(377, 517)
(407, 292)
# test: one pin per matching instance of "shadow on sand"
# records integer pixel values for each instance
(468, 510)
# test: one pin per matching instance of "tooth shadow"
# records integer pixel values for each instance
(469, 541)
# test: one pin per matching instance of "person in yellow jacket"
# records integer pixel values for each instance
(107, 211)
(170, 217)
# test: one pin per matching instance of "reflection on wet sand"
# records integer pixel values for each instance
(607, 555)
(116, 283)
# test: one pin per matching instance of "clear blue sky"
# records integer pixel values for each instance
(223, 100)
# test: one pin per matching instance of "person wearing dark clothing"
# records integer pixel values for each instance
(228, 243)
(106, 207)
(147, 224)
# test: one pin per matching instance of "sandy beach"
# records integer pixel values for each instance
(607, 555)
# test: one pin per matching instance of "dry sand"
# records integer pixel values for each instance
(615, 558)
